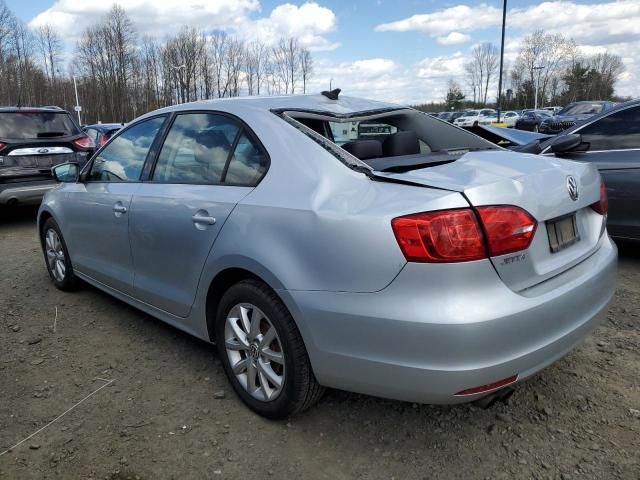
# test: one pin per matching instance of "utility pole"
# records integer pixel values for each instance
(535, 102)
(78, 108)
(504, 20)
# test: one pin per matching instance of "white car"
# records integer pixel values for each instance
(510, 118)
(473, 118)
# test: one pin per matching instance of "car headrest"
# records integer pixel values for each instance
(364, 149)
(401, 143)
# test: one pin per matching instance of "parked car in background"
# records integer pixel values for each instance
(611, 142)
(532, 119)
(472, 118)
(510, 118)
(573, 114)
(200, 214)
(450, 116)
(100, 133)
(32, 140)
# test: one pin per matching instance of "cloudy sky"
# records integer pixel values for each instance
(397, 50)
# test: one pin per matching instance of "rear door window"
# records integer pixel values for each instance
(122, 160)
(27, 124)
(209, 149)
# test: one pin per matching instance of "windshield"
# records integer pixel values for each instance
(33, 124)
(472, 113)
(582, 109)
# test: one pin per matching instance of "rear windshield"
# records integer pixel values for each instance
(582, 109)
(395, 141)
(27, 125)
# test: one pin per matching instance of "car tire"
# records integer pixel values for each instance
(253, 355)
(56, 257)
(475, 124)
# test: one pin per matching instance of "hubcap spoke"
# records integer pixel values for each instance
(268, 372)
(235, 345)
(238, 333)
(244, 316)
(256, 318)
(241, 366)
(273, 356)
(268, 338)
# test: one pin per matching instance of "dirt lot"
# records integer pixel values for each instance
(160, 417)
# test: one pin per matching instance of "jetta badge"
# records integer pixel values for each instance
(43, 150)
(572, 186)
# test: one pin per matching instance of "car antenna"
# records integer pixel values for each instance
(333, 94)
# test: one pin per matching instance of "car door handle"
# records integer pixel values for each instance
(200, 218)
(119, 208)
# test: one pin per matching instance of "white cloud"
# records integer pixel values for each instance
(454, 38)
(308, 21)
(150, 16)
(443, 22)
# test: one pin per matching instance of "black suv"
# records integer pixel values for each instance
(32, 140)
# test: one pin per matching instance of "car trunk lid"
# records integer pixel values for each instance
(537, 184)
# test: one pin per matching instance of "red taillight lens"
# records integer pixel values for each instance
(2, 145)
(441, 236)
(84, 143)
(508, 229)
(602, 205)
(456, 235)
(103, 139)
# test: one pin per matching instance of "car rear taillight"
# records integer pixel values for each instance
(2, 145)
(602, 205)
(457, 236)
(84, 143)
(103, 139)
(441, 236)
(509, 229)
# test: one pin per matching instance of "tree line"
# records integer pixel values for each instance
(121, 75)
(551, 62)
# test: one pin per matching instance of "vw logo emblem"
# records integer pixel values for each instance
(43, 150)
(572, 186)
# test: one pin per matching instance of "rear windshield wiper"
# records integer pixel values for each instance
(51, 134)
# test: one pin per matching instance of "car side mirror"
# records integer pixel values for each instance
(66, 172)
(571, 142)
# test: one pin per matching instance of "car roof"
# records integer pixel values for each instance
(343, 106)
(104, 126)
(14, 109)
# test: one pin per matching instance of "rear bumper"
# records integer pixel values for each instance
(24, 193)
(440, 329)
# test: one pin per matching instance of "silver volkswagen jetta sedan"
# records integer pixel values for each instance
(338, 242)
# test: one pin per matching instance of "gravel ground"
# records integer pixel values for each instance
(169, 412)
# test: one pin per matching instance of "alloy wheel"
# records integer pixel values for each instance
(255, 352)
(55, 255)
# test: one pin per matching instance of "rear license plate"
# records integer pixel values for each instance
(562, 232)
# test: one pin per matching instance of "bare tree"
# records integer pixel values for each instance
(49, 44)
(545, 57)
(306, 67)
